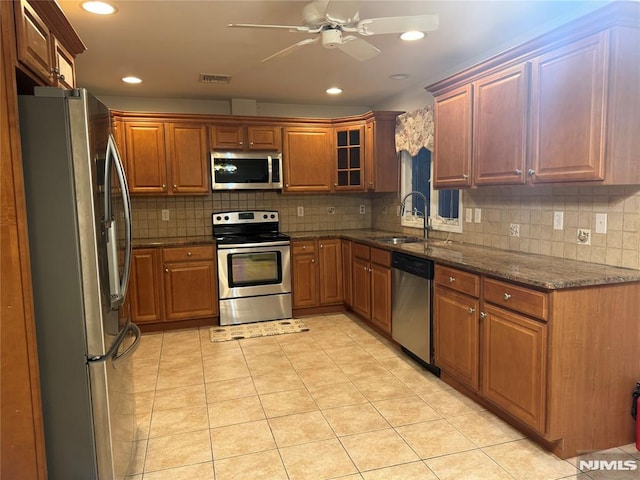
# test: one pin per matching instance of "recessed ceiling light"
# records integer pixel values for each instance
(99, 8)
(334, 91)
(131, 80)
(399, 76)
(412, 35)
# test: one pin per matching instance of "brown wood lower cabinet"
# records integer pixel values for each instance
(559, 364)
(371, 285)
(173, 284)
(317, 273)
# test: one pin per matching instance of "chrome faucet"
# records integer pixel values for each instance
(403, 207)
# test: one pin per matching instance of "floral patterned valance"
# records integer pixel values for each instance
(414, 130)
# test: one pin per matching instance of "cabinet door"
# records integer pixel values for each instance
(145, 157)
(500, 127)
(330, 263)
(187, 156)
(381, 297)
(346, 271)
(361, 288)
(452, 142)
(514, 350)
(65, 65)
(145, 289)
(264, 137)
(349, 159)
(306, 159)
(305, 280)
(382, 168)
(568, 111)
(190, 290)
(34, 41)
(227, 137)
(456, 333)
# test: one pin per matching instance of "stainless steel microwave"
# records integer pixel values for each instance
(246, 170)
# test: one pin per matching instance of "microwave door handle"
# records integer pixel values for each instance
(117, 286)
(270, 168)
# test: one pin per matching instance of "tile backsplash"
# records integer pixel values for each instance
(532, 209)
(189, 216)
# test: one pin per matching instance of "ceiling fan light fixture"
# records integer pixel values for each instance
(99, 8)
(334, 91)
(412, 36)
(131, 80)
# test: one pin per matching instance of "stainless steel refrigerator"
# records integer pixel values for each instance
(79, 221)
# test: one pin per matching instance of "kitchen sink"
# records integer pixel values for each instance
(398, 240)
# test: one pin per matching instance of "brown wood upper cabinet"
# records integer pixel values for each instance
(168, 158)
(560, 108)
(246, 137)
(46, 43)
(349, 159)
(382, 167)
(306, 155)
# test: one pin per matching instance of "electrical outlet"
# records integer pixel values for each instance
(601, 223)
(468, 215)
(477, 215)
(165, 215)
(514, 229)
(584, 236)
(301, 211)
(362, 210)
(558, 220)
(331, 210)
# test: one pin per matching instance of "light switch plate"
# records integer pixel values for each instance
(558, 220)
(477, 215)
(468, 215)
(165, 215)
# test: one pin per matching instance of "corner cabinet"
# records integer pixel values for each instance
(560, 108)
(349, 159)
(163, 157)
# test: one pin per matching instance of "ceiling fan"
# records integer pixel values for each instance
(332, 19)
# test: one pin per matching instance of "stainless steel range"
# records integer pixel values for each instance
(254, 267)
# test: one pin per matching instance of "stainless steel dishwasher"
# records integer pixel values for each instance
(411, 320)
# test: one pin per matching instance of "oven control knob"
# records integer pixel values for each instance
(273, 215)
(265, 216)
(218, 218)
(226, 217)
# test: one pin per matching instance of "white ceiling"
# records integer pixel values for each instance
(169, 43)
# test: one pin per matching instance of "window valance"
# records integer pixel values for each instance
(414, 130)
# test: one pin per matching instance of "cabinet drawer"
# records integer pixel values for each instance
(458, 280)
(180, 254)
(520, 299)
(381, 257)
(359, 250)
(304, 246)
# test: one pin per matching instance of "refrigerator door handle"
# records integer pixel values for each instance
(134, 346)
(117, 286)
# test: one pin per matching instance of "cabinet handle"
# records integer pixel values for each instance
(304, 247)
(471, 309)
(164, 187)
(286, 185)
(61, 77)
(465, 176)
(365, 269)
(506, 296)
(175, 188)
(483, 315)
(531, 171)
(335, 184)
(321, 245)
(250, 143)
(189, 254)
(313, 260)
(452, 279)
(518, 171)
(240, 143)
(370, 270)
(166, 270)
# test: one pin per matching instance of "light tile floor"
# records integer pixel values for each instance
(337, 402)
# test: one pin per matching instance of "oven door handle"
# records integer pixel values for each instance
(253, 245)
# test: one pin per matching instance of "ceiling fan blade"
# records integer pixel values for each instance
(286, 51)
(343, 12)
(358, 48)
(377, 26)
(292, 28)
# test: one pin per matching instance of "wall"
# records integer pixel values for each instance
(192, 215)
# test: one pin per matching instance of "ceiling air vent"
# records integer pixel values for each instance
(212, 78)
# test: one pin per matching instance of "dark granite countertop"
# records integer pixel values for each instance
(529, 269)
(172, 241)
